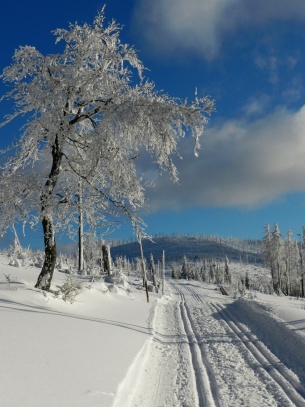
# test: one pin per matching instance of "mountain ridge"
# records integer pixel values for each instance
(193, 248)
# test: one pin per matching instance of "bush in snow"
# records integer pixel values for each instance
(122, 280)
(14, 262)
(70, 289)
(64, 265)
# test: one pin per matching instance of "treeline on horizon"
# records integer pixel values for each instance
(238, 243)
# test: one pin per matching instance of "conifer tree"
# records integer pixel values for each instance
(227, 273)
(185, 268)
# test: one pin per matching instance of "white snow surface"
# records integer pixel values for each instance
(192, 347)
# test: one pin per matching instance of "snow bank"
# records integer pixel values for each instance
(59, 354)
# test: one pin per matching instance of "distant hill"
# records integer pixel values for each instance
(191, 247)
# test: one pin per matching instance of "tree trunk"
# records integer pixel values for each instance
(106, 260)
(279, 278)
(80, 244)
(80, 230)
(163, 271)
(143, 268)
(45, 277)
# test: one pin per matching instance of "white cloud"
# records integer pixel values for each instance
(256, 106)
(201, 24)
(241, 164)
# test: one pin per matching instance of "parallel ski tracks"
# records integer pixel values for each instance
(193, 293)
(206, 384)
(266, 360)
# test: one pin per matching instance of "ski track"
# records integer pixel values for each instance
(200, 355)
(166, 377)
(206, 386)
(265, 358)
(282, 384)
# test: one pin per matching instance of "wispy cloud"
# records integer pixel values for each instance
(269, 64)
(241, 164)
(201, 25)
(256, 106)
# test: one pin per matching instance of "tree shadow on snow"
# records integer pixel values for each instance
(21, 307)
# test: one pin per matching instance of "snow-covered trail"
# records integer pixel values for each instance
(203, 353)
(247, 372)
(162, 375)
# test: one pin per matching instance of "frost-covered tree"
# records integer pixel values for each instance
(289, 254)
(273, 246)
(88, 114)
(212, 271)
(204, 271)
(277, 258)
(247, 281)
(301, 251)
(153, 272)
(227, 272)
(185, 268)
(267, 246)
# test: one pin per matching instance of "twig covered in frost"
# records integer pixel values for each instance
(70, 289)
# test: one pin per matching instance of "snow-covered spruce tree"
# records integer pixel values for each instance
(185, 268)
(227, 272)
(88, 114)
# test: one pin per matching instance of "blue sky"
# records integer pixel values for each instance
(249, 57)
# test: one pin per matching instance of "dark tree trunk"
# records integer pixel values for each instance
(45, 277)
(46, 274)
(80, 245)
(80, 228)
(105, 254)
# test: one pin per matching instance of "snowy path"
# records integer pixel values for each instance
(206, 386)
(162, 374)
(267, 361)
(203, 354)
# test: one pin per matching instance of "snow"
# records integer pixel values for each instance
(191, 347)
(55, 353)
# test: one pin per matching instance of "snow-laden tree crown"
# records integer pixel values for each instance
(88, 114)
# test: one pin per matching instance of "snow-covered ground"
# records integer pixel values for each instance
(57, 354)
(193, 347)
